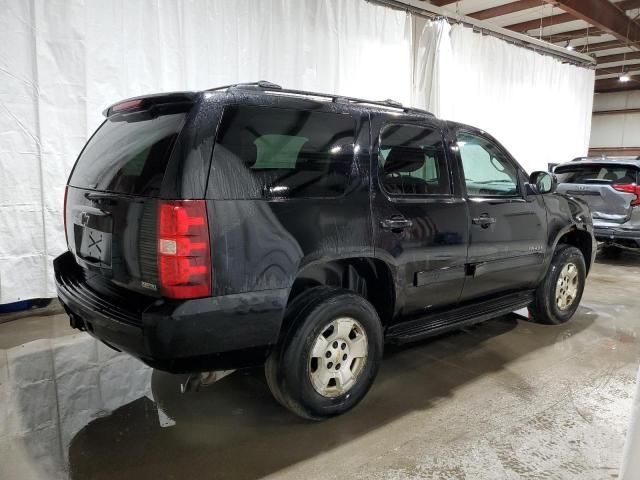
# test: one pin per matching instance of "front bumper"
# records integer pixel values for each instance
(215, 333)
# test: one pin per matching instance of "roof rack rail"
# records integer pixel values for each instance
(393, 103)
(260, 84)
(266, 86)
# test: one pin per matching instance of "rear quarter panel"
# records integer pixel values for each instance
(261, 245)
(264, 244)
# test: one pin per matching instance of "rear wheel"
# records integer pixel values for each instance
(558, 296)
(327, 360)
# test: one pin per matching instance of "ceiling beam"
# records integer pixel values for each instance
(542, 22)
(604, 15)
(628, 67)
(619, 57)
(598, 47)
(442, 3)
(628, 4)
(615, 85)
(617, 112)
(505, 9)
(572, 34)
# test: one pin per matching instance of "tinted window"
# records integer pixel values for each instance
(271, 153)
(596, 174)
(487, 170)
(412, 161)
(128, 156)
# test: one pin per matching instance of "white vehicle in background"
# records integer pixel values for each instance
(610, 185)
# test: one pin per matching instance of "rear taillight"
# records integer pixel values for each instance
(64, 214)
(184, 258)
(630, 188)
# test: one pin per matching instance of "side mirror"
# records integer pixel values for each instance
(544, 182)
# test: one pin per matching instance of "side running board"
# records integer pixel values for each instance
(437, 323)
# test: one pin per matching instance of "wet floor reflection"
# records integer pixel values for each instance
(72, 407)
(235, 430)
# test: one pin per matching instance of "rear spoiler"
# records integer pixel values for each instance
(135, 104)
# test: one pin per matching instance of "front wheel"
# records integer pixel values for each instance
(326, 362)
(558, 296)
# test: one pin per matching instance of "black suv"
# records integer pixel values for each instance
(250, 224)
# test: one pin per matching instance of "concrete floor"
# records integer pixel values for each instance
(27, 329)
(505, 399)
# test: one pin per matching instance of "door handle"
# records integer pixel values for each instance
(484, 220)
(396, 222)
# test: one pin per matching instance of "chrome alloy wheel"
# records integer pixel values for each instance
(338, 357)
(567, 286)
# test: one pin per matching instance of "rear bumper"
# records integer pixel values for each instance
(613, 234)
(224, 332)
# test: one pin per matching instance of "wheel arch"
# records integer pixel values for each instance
(581, 239)
(370, 277)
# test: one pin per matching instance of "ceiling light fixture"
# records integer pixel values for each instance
(624, 76)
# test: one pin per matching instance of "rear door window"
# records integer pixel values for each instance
(265, 152)
(413, 161)
(597, 173)
(128, 154)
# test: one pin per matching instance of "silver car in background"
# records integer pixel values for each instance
(610, 185)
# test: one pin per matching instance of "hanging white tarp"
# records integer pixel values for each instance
(537, 106)
(63, 61)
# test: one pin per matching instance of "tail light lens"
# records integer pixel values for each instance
(184, 258)
(630, 188)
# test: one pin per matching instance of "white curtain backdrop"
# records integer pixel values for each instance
(538, 107)
(63, 61)
(432, 58)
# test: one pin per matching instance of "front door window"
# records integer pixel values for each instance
(487, 170)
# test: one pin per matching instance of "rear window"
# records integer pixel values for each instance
(280, 153)
(614, 174)
(128, 154)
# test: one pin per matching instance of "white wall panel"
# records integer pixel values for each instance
(606, 131)
(63, 61)
(616, 101)
(631, 129)
(616, 130)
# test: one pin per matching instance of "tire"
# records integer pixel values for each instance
(311, 386)
(291, 315)
(556, 298)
